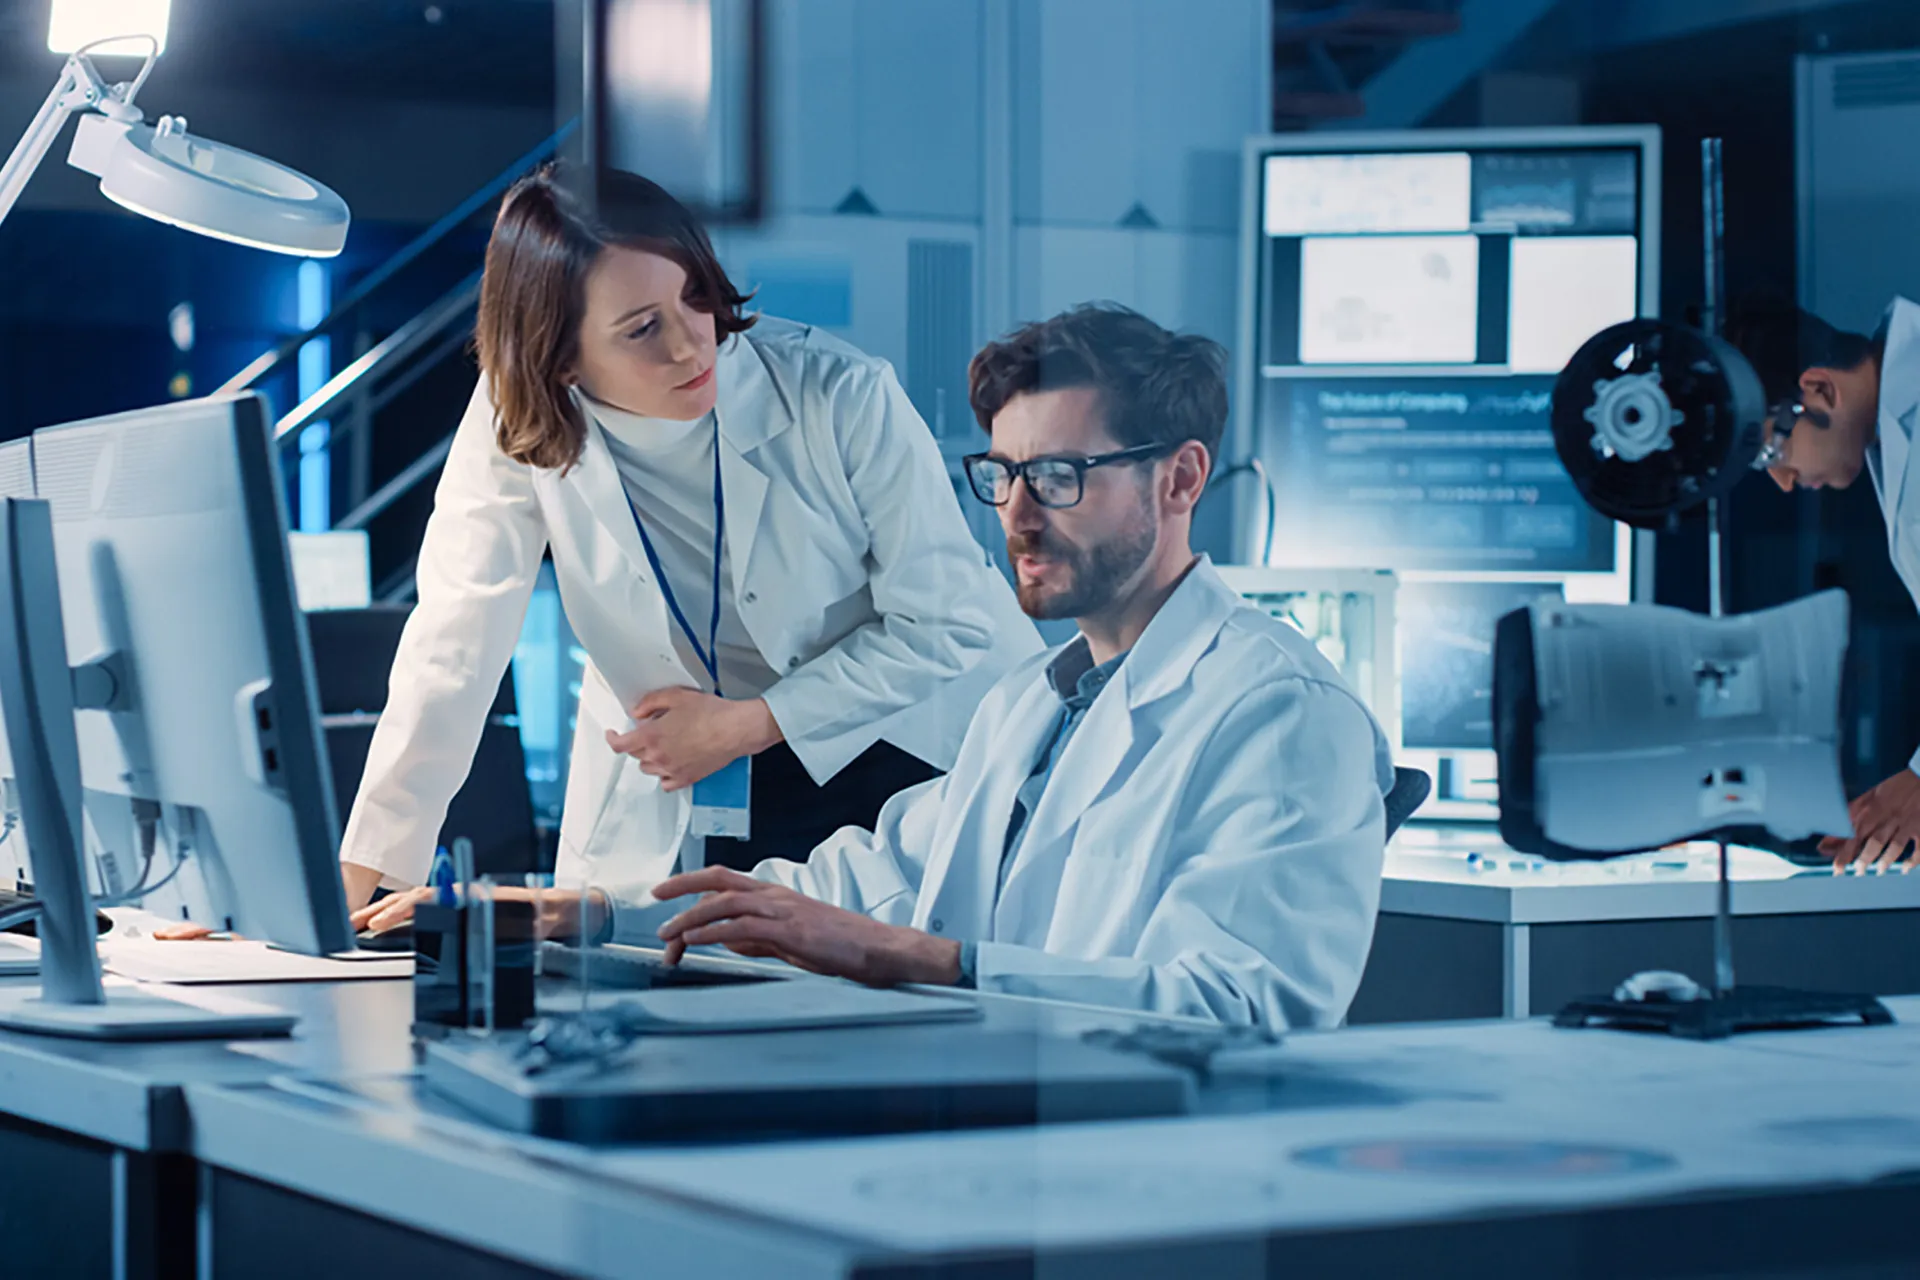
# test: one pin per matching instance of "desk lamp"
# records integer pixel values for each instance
(161, 171)
(1623, 728)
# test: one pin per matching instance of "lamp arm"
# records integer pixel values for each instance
(79, 88)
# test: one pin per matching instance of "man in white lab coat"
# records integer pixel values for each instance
(1843, 402)
(1180, 810)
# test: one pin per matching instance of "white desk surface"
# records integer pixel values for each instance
(1366, 1127)
(1466, 873)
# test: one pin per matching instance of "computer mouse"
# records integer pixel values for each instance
(1659, 986)
(398, 938)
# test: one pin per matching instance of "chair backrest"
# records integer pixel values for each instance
(353, 651)
(1410, 790)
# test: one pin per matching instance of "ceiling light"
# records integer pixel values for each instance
(118, 23)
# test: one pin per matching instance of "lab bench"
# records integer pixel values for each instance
(1470, 929)
(1459, 1149)
(1445, 1149)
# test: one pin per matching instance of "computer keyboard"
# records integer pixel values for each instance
(623, 968)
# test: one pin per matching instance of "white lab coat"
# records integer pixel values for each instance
(854, 573)
(1894, 460)
(1209, 843)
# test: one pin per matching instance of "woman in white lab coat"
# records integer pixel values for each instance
(755, 540)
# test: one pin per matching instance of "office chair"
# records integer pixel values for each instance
(1410, 790)
(352, 654)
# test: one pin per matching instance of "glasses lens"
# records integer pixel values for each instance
(1055, 484)
(990, 480)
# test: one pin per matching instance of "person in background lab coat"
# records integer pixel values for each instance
(729, 500)
(1843, 402)
(1180, 811)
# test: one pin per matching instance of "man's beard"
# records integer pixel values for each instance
(1095, 574)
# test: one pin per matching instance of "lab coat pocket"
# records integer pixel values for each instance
(1117, 853)
(1099, 893)
(810, 559)
(617, 826)
(592, 775)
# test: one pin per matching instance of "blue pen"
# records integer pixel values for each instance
(441, 878)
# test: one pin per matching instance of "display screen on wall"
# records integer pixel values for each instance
(1412, 299)
(1414, 304)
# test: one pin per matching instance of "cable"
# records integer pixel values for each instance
(1256, 467)
(150, 837)
(141, 891)
(146, 68)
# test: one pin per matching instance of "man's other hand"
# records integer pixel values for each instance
(753, 918)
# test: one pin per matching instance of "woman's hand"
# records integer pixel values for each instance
(391, 911)
(683, 735)
(559, 910)
(359, 882)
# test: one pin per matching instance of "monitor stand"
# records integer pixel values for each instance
(37, 703)
(1729, 1009)
(134, 1015)
(1728, 1013)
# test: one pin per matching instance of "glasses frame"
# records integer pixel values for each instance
(1081, 464)
(1780, 422)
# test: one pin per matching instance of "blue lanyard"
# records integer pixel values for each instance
(709, 656)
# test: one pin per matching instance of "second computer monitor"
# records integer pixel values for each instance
(16, 481)
(206, 783)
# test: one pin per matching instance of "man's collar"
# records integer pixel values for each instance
(1900, 361)
(1070, 668)
(1178, 634)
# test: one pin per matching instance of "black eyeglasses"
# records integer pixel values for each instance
(1056, 481)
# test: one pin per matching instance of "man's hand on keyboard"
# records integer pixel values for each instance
(753, 918)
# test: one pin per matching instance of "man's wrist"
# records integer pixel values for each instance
(927, 959)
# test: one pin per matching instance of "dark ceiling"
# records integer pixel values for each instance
(491, 51)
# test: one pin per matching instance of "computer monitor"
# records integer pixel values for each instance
(16, 481)
(206, 782)
(39, 694)
(1409, 300)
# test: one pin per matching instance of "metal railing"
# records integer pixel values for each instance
(271, 362)
(429, 331)
(351, 399)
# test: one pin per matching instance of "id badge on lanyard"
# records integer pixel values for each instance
(722, 801)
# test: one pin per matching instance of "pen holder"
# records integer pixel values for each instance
(474, 964)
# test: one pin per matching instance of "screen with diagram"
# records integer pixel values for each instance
(1415, 309)
(1415, 297)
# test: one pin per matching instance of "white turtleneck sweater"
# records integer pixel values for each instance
(667, 470)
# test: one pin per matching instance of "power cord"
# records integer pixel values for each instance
(1255, 467)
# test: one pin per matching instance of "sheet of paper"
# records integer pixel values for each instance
(18, 955)
(1563, 290)
(147, 960)
(1389, 299)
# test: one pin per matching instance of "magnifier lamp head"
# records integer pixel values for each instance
(161, 171)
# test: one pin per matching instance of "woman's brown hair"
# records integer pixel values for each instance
(533, 295)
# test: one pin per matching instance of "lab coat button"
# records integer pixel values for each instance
(938, 926)
(793, 664)
(749, 598)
